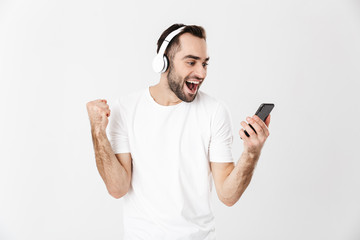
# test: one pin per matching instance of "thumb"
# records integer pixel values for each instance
(267, 121)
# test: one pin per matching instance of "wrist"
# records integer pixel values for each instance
(97, 131)
(251, 156)
(248, 163)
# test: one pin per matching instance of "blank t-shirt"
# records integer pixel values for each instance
(171, 149)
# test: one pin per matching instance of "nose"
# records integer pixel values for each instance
(200, 71)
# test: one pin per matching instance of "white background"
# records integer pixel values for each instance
(304, 56)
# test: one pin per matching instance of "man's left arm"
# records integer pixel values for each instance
(231, 181)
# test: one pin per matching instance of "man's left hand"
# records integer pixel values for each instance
(254, 143)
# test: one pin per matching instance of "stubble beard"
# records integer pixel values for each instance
(176, 85)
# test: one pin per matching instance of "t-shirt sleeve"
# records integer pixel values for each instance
(117, 129)
(221, 136)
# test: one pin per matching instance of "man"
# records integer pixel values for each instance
(166, 144)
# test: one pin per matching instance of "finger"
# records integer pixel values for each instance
(103, 104)
(248, 129)
(254, 125)
(267, 121)
(261, 124)
(108, 113)
(242, 134)
(103, 100)
(258, 128)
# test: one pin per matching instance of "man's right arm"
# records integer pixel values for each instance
(115, 169)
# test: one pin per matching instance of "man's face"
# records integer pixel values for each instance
(188, 68)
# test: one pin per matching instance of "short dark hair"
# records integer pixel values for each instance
(174, 45)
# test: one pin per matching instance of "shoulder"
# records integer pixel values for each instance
(129, 100)
(133, 96)
(220, 116)
(213, 104)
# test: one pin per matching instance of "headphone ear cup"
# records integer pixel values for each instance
(158, 64)
(166, 64)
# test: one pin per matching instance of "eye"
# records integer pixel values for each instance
(191, 63)
(205, 65)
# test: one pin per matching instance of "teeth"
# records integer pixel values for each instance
(195, 82)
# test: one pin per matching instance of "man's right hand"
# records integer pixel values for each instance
(99, 112)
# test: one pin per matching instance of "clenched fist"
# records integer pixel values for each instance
(99, 112)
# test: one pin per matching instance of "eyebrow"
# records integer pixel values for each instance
(195, 57)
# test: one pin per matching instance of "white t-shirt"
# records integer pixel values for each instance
(171, 149)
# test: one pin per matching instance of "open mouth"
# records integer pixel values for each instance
(192, 86)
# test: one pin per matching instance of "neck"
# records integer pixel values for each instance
(162, 94)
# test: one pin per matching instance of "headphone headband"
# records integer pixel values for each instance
(160, 62)
(168, 39)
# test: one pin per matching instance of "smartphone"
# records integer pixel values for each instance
(262, 112)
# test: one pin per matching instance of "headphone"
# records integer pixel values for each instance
(160, 63)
